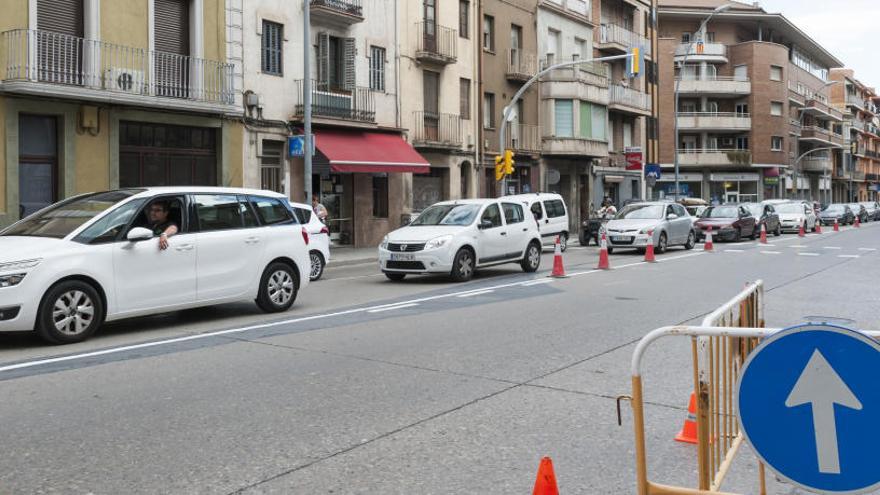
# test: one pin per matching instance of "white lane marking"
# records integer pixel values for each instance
(770, 252)
(798, 246)
(392, 308)
(808, 254)
(537, 282)
(867, 249)
(734, 251)
(476, 293)
(832, 247)
(848, 256)
(680, 257)
(765, 245)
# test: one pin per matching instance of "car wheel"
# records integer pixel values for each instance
(463, 265)
(563, 241)
(691, 242)
(583, 239)
(317, 261)
(395, 277)
(814, 226)
(738, 235)
(70, 312)
(278, 288)
(778, 231)
(641, 250)
(532, 259)
(610, 250)
(662, 243)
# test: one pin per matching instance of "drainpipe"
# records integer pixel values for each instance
(397, 120)
(478, 47)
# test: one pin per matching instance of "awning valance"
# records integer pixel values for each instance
(367, 152)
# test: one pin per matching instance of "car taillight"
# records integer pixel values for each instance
(325, 230)
(305, 235)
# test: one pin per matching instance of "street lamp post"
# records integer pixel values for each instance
(307, 103)
(682, 66)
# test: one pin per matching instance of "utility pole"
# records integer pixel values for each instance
(307, 103)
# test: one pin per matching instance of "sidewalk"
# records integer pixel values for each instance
(347, 255)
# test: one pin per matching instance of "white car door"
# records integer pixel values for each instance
(557, 221)
(493, 235)
(148, 278)
(230, 247)
(517, 230)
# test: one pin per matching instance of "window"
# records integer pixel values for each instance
(489, 33)
(219, 212)
(273, 39)
(710, 37)
(513, 213)
(537, 212)
(555, 208)
(742, 143)
(271, 176)
(336, 62)
(377, 68)
(380, 196)
(685, 37)
(112, 226)
(489, 110)
(600, 122)
(586, 120)
(776, 108)
(493, 215)
(271, 210)
(564, 118)
(464, 18)
(775, 73)
(464, 99)
(552, 46)
(580, 49)
(776, 143)
(302, 215)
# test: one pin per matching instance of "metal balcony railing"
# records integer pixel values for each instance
(613, 33)
(855, 101)
(53, 58)
(523, 137)
(622, 95)
(349, 7)
(707, 50)
(356, 104)
(699, 156)
(436, 43)
(521, 66)
(436, 129)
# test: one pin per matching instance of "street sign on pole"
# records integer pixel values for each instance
(809, 405)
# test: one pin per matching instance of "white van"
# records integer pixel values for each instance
(551, 214)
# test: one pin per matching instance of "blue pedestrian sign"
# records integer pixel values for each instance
(808, 403)
(295, 145)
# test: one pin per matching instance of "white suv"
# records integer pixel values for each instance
(319, 238)
(93, 258)
(549, 210)
(457, 237)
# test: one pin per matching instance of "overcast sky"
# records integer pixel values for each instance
(846, 28)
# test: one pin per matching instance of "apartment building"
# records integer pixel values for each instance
(857, 168)
(440, 95)
(362, 167)
(98, 94)
(754, 117)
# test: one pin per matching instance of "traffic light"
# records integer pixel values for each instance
(499, 167)
(635, 62)
(508, 162)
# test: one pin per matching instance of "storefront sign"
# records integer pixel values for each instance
(734, 177)
(633, 158)
(670, 177)
(771, 181)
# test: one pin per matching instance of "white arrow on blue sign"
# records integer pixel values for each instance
(809, 405)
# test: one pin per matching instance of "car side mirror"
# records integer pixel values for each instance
(139, 234)
(671, 216)
(486, 224)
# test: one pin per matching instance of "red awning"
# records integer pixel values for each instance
(369, 152)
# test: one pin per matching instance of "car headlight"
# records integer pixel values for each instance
(19, 265)
(11, 280)
(384, 244)
(438, 242)
(645, 230)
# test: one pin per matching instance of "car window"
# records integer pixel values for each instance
(537, 211)
(271, 210)
(112, 226)
(555, 208)
(492, 214)
(247, 213)
(218, 212)
(513, 213)
(302, 215)
(669, 210)
(680, 211)
(61, 219)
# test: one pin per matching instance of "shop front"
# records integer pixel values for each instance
(570, 178)
(619, 184)
(690, 185)
(735, 188)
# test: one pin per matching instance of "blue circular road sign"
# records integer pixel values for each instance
(808, 403)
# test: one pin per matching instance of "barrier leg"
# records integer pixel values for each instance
(638, 408)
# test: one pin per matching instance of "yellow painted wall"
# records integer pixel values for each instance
(93, 158)
(128, 26)
(234, 133)
(15, 15)
(2, 154)
(215, 30)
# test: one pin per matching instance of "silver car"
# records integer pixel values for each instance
(670, 223)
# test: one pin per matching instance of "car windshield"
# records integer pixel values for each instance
(855, 208)
(755, 209)
(60, 220)
(721, 212)
(641, 212)
(834, 209)
(448, 215)
(790, 208)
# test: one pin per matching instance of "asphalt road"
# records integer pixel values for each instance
(369, 386)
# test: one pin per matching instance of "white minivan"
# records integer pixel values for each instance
(549, 210)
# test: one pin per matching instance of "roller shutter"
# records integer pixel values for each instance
(172, 26)
(61, 16)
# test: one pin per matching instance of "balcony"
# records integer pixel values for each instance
(523, 137)
(433, 130)
(436, 44)
(718, 87)
(579, 8)
(822, 110)
(702, 52)
(619, 39)
(42, 63)
(855, 101)
(627, 100)
(713, 157)
(576, 146)
(587, 81)
(337, 12)
(714, 121)
(859, 125)
(354, 104)
(521, 66)
(872, 177)
(859, 175)
(794, 127)
(821, 135)
(816, 164)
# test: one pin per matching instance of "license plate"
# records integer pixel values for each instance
(402, 257)
(621, 238)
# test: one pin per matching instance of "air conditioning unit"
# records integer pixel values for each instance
(124, 80)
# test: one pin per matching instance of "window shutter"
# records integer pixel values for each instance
(323, 59)
(172, 26)
(61, 16)
(349, 53)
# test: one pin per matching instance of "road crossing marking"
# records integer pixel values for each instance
(867, 249)
(734, 251)
(848, 256)
(392, 308)
(798, 246)
(808, 254)
(540, 281)
(770, 252)
(832, 247)
(476, 293)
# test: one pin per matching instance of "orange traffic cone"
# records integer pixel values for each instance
(649, 249)
(802, 229)
(688, 432)
(858, 223)
(763, 233)
(604, 264)
(558, 269)
(818, 226)
(836, 226)
(546, 482)
(708, 245)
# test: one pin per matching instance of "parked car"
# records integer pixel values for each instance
(766, 216)
(859, 211)
(549, 210)
(459, 237)
(872, 208)
(839, 212)
(694, 206)
(70, 267)
(319, 239)
(793, 214)
(670, 223)
(728, 223)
